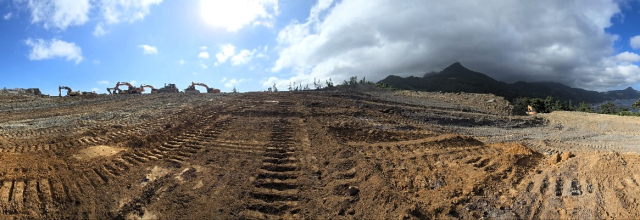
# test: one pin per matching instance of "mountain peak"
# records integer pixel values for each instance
(455, 68)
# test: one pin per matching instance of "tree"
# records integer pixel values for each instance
(584, 107)
(275, 89)
(608, 108)
(329, 83)
(636, 105)
(234, 90)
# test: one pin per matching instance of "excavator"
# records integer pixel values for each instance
(132, 89)
(192, 88)
(69, 91)
(115, 91)
(153, 89)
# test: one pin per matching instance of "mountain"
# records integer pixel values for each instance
(457, 78)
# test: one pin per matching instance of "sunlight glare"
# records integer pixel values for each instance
(231, 14)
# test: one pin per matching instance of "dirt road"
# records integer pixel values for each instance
(310, 155)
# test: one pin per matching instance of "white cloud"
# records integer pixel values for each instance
(116, 11)
(233, 15)
(148, 49)
(243, 57)
(99, 30)
(347, 38)
(103, 82)
(204, 55)
(8, 16)
(58, 13)
(181, 62)
(223, 79)
(226, 51)
(43, 50)
(627, 57)
(203, 66)
(233, 82)
(635, 42)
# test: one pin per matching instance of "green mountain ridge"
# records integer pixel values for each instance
(457, 78)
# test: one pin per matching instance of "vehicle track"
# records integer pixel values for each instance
(276, 190)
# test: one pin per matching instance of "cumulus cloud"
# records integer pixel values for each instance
(116, 11)
(635, 42)
(627, 57)
(8, 16)
(546, 40)
(99, 30)
(203, 55)
(148, 49)
(61, 14)
(44, 50)
(243, 57)
(103, 82)
(58, 13)
(226, 51)
(233, 15)
(232, 82)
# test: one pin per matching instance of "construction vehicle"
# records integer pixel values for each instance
(69, 91)
(530, 110)
(192, 88)
(132, 89)
(171, 88)
(153, 89)
(115, 91)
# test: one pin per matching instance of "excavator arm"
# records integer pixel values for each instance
(209, 90)
(60, 88)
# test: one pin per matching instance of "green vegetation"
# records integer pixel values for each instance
(550, 104)
(542, 105)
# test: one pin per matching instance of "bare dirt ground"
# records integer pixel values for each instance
(311, 155)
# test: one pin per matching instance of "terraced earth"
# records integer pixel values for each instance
(311, 155)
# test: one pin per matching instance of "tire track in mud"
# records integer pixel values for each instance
(276, 190)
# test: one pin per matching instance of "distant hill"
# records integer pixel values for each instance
(457, 78)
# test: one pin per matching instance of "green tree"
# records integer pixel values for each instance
(608, 108)
(636, 105)
(584, 107)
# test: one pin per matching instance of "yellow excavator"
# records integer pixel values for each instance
(70, 92)
(531, 111)
(192, 88)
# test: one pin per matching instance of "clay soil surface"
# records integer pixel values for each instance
(364, 154)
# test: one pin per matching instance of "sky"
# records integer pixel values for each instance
(251, 45)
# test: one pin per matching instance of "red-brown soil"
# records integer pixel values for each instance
(311, 155)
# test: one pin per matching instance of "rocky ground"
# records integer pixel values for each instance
(365, 154)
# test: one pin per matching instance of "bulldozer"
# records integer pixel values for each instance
(69, 91)
(153, 89)
(192, 88)
(171, 88)
(132, 89)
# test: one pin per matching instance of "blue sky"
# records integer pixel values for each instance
(252, 44)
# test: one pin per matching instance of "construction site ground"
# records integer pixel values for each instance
(311, 155)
